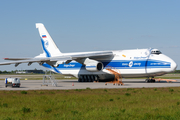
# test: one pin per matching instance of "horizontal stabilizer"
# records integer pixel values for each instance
(16, 58)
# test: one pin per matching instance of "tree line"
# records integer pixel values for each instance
(15, 71)
(176, 71)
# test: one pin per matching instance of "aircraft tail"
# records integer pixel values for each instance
(49, 47)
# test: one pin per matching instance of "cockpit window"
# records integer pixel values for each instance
(156, 52)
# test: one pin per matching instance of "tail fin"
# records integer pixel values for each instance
(48, 45)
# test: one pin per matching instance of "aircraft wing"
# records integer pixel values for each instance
(83, 55)
(92, 55)
(65, 58)
(18, 61)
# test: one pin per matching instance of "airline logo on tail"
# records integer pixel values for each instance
(46, 43)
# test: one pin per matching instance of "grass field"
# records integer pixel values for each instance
(123, 104)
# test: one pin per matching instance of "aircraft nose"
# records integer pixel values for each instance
(173, 65)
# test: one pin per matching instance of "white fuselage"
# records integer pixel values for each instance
(129, 63)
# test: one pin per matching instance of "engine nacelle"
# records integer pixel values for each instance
(94, 67)
(91, 65)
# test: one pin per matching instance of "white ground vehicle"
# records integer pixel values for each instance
(14, 82)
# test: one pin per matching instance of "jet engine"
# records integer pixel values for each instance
(94, 66)
(91, 65)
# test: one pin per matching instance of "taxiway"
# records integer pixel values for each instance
(65, 84)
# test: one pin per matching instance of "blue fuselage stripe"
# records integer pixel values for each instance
(125, 64)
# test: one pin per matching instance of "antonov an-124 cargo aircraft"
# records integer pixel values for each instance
(91, 66)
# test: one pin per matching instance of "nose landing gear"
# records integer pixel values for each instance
(148, 80)
(152, 80)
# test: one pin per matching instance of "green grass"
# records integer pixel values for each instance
(130, 103)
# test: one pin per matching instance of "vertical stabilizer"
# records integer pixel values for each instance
(48, 45)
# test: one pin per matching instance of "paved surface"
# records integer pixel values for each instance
(67, 84)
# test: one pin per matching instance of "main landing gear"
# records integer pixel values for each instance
(148, 80)
(88, 78)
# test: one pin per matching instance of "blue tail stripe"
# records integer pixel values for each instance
(44, 48)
